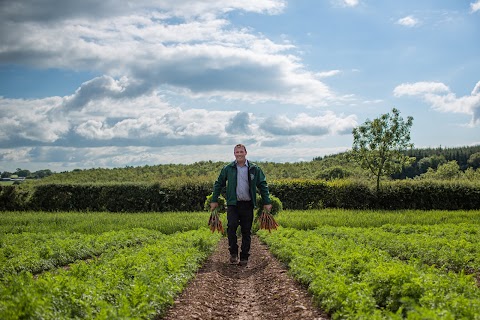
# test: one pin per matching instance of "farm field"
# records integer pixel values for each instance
(370, 264)
(384, 265)
(97, 265)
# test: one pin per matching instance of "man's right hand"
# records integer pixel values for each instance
(213, 205)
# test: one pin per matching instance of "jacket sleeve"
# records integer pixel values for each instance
(219, 184)
(263, 187)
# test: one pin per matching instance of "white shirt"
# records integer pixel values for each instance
(243, 188)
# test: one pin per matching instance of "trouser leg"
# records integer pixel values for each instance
(232, 225)
(245, 213)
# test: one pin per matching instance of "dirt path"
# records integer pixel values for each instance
(262, 290)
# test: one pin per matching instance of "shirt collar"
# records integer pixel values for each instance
(246, 163)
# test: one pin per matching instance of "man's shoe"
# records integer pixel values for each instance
(233, 259)
(243, 263)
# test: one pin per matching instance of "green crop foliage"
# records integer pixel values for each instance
(384, 264)
(310, 219)
(370, 264)
(97, 264)
(98, 222)
(136, 281)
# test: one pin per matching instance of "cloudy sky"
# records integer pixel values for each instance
(128, 83)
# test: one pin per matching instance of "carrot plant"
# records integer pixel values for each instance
(98, 222)
(353, 273)
(134, 282)
(37, 252)
(384, 264)
(311, 219)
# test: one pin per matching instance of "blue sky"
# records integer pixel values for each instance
(87, 84)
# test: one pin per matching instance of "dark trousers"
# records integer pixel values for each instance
(240, 215)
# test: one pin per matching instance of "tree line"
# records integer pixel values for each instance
(431, 158)
(330, 167)
(27, 174)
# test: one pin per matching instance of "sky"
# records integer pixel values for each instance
(109, 84)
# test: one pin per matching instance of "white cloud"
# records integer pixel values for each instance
(15, 155)
(475, 6)
(418, 88)
(34, 120)
(143, 46)
(349, 3)
(408, 21)
(476, 89)
(105, 111)
(439, 96)
(158, 62)
(304, 124)
(327, 74)
(52, 10)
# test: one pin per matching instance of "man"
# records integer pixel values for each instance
(243, 178)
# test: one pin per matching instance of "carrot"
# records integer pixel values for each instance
(267, 221)
(214, 221)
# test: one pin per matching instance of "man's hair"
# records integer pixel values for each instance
(240, 146)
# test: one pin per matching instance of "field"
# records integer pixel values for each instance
(385, 265)
(97, 265)
(356, 264)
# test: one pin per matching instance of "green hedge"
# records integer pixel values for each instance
(107, 197)
(13, 197)
(409, 194)
(300, 194)
(400, 194)
(294, 195)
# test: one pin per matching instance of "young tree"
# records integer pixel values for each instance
(447, 171)
(474, 160)
(379, 145)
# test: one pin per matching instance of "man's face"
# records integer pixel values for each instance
(240, 154)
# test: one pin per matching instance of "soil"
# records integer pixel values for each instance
(261, 290)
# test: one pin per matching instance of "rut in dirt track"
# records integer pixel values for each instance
(262, 290)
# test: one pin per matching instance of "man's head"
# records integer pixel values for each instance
(240, 153)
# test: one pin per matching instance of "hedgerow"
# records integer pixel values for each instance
(294, 194)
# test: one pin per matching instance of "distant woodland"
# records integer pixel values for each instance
(430, 163)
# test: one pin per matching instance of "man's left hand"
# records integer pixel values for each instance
(267, 207)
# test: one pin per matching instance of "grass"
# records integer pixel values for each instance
(98, 222)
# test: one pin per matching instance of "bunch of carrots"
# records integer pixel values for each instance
(267, 221)
(214, 222)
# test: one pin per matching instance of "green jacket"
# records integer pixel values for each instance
(256, 179)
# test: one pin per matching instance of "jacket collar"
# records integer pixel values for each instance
(249, 164)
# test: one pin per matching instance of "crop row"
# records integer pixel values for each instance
(311, 219)
(39, 241)
(137, 281)
(98, 222)
(37, 252)
(353, 274)
(448, 246)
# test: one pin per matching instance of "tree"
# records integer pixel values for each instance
(430, 162)
(42, 173)
(22, 172)
(474, 160)
(448, 171)
(379, 145)
(6, 174)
